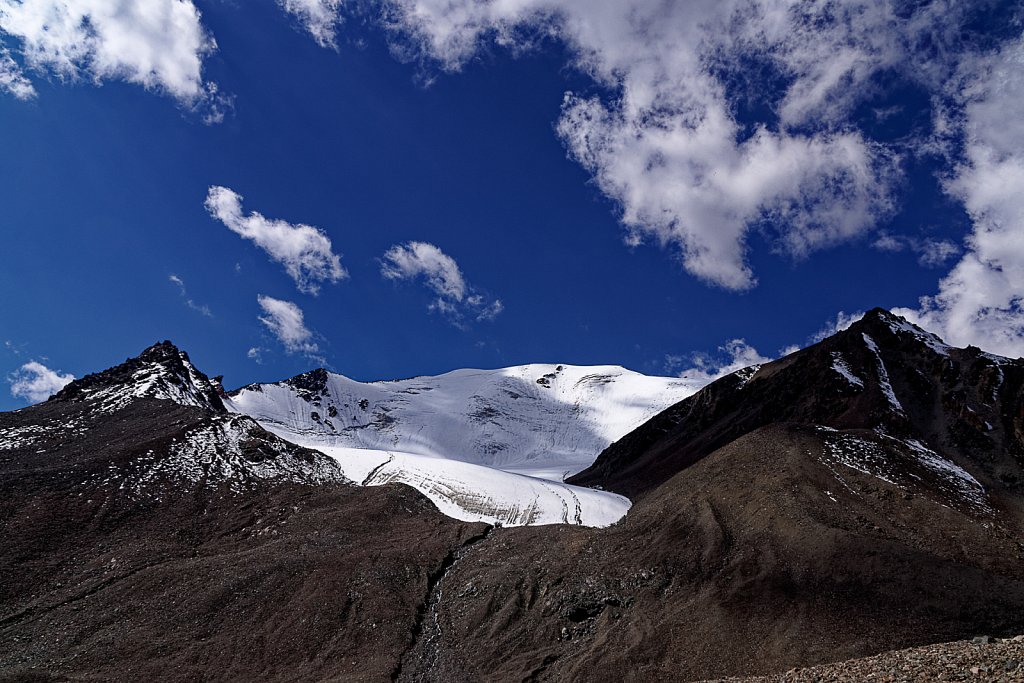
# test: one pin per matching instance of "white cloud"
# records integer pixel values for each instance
(701, 369)
(35, 382)
(286, 321)
(981, 301)
(666, 144)
(841, 322)
(198, 308)
(256, 354)
(319, 17)
(12, 80)
(158, 44)
(931, 253)
(305, 251)
(442, 275)
(935, 253)
(664, 139)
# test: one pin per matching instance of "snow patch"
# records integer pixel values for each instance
(927, 338)
(907, 464)
(231, 450)
(883, 375)
(840, 366)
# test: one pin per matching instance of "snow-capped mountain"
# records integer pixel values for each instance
(170, 422)
(488, 445)
(162, 371)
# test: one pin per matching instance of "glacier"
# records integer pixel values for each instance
(483, 445)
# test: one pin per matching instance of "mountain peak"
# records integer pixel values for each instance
(886, 328)
(161, 351)
(161, 371)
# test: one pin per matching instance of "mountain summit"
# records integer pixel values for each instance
(890, 384)
(162, 371)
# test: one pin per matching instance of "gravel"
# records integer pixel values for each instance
(997, 661)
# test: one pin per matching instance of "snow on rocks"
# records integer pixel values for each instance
(900, 326)
(162, 372)
(883, 375)
(905, 463)
(489, 445)
(840, 365)
(230, 450)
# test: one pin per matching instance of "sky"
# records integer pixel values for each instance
(390, 188)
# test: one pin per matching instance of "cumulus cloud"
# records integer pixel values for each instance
(202, 309)
(981, 301)
(319, 17)
(701, 369)
(441, 275)
(665, 138)
(305, 251)
(34, 382)
(665, 141)
(158, 44)
(287, 323)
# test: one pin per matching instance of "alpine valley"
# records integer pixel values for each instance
(533, 523)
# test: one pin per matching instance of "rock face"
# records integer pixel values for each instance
(162, 371)
(859, 496)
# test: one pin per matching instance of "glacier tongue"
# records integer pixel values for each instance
(487, 445)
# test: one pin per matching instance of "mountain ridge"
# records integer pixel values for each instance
(859, 496)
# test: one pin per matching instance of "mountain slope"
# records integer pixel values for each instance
(147, 534)
(484, 445)
(858, 496)
(890, 385)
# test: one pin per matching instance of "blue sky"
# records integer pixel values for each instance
(440, 155)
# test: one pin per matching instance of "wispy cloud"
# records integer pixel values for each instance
(34, 382)
(12, 78)
(199, 308)
(931, 253)
(441, 275)
(319, 17)
(158, 44)
(286, 322)
(305, 252)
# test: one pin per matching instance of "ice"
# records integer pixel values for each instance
(490, 445)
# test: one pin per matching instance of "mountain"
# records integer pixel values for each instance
(484, 445)
(887, 398)
(148, 534)
(861, 495)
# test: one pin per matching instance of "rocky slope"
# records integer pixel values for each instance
(858, 496)
(978, 659)
(147, 534)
